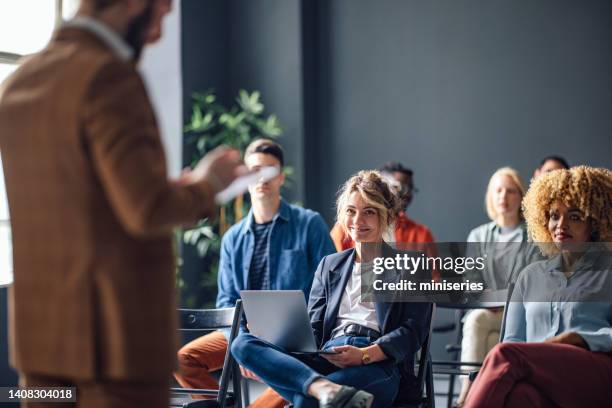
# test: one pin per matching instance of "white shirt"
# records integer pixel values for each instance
(104, 33)
(352, 310)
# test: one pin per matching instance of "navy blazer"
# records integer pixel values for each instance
(404, 325)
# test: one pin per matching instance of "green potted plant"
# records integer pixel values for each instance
(212, 124)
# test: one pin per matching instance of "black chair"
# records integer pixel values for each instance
(453, 367)
(210, 320)
(424, 382)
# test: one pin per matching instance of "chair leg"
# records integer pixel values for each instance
(451, 390)
(246, 397)
(459, 314)
(429, 386)
(237, 383)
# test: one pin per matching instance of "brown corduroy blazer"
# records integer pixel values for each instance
(92, 213)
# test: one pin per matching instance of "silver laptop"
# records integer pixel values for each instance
(280, 317)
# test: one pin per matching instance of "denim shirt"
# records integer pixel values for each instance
(298, 241)
(542, 305)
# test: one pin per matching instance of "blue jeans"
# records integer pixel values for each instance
(291, 375)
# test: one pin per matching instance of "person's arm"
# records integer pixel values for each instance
(317, 303)
(121, 134)
(571, 338)
(428, 236)
(319, 242)
(409, 336)
(600, 340)
(593, 339)
(227, 292)
(516, 320)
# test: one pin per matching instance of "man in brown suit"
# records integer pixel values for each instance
(92, 211)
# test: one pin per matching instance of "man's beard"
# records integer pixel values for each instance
(137, 31)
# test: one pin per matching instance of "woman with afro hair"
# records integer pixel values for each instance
(557, 348)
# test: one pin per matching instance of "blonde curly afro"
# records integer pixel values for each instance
(587, 188)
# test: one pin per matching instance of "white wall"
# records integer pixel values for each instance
(161, 69)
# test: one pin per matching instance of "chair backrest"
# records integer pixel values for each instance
(488, 300)
(214, 319)
(206, 319)
(424, 377)
(230, 365)
(425, 350)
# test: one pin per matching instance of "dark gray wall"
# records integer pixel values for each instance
(265, 55)
(205, 32)
(456, 89)
(241, 44)
(204, 38)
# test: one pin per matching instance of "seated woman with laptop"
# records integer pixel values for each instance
(374, 342)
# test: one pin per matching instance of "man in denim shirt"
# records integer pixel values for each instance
(277, 246)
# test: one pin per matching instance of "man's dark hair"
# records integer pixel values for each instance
(266, 146)
(392, 167)
(558, 159)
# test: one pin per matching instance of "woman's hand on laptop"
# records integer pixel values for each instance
(249, 374)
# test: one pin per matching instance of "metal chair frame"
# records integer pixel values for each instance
(210, 320)
(450, 367)
(424, 373)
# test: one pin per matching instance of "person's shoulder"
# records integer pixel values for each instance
(340, 255)
(538, 266)
(75, 46)
(405, 220)
(234, 231)
(484, 227)
(533, 271)
(420, 227)
(70, 55)
(302, 214)
(603, 255)
(480, 232)
(301, 211)
(332, 261)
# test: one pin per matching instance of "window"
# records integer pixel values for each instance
(25, 27)
(6, 262)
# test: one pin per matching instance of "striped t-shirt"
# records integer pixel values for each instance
(259, 278)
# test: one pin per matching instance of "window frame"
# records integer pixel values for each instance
(13, 58)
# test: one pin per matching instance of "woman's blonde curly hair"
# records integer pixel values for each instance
(375, 191)
(587, 188)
